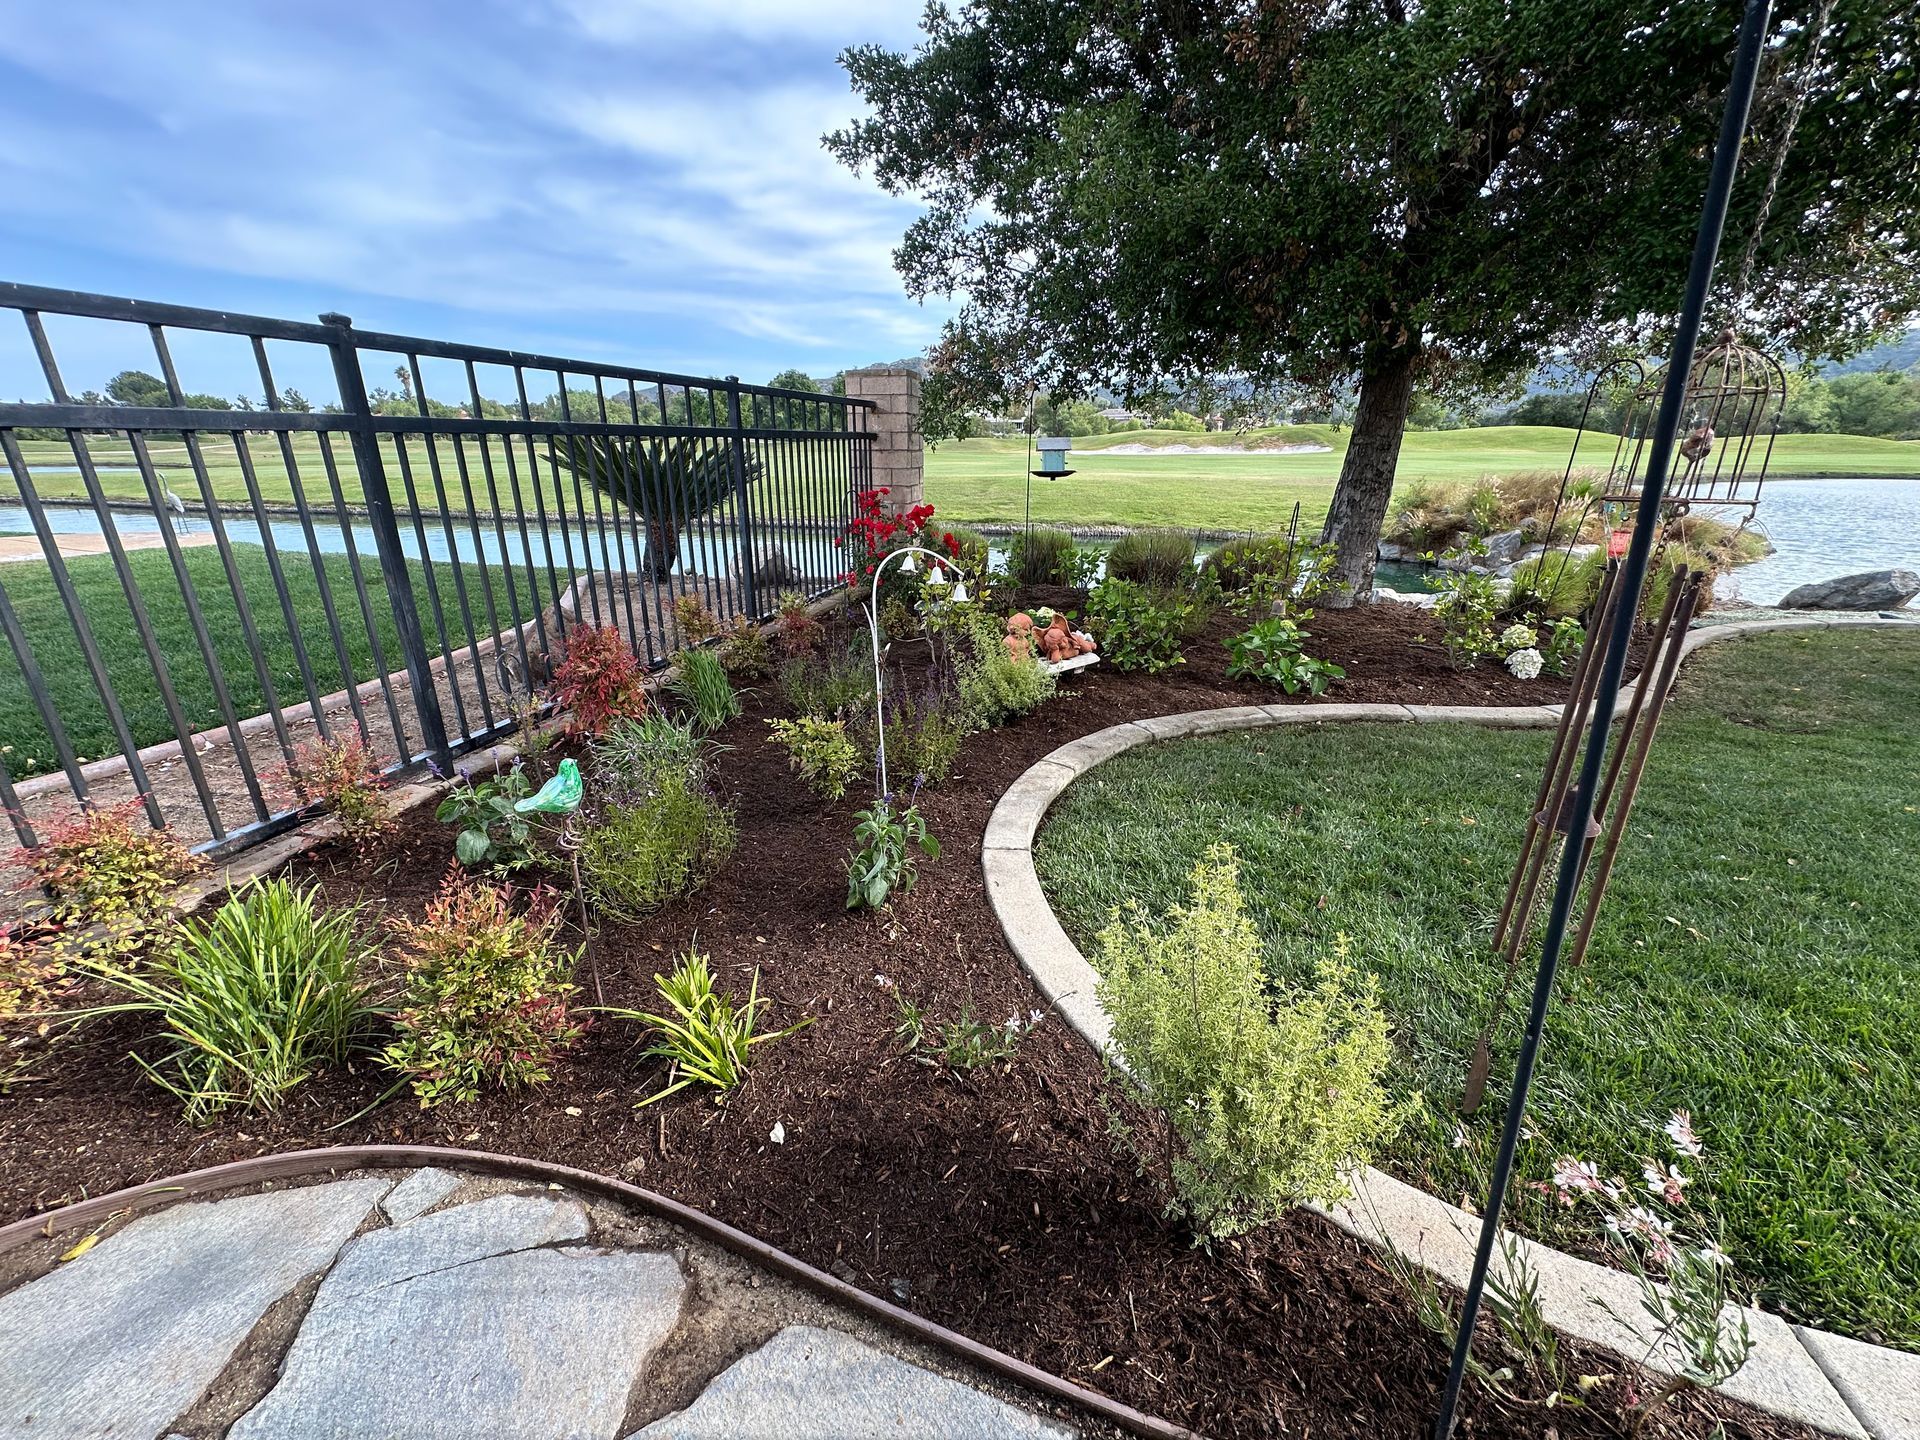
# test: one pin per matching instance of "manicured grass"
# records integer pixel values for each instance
(985, 480)
(1757, 961)
(44, 619)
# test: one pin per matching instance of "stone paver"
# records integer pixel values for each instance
(455, 1325)
(124, 1339)
(419, 1193)
(812, 1384)
(1882, 1386)
(450, 1238)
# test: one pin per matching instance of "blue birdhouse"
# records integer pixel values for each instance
(1053, 456)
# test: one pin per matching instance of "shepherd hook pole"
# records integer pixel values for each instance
(1706, 246)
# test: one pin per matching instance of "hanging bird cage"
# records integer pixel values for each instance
(1728, 419)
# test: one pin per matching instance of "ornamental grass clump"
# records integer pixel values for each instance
(705, 688)
(707, 1038)
(251, 1001)
(1270, 1100)
(1158, 559)
(485, 1002)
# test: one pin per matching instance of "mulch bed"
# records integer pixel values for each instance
(997, 1204)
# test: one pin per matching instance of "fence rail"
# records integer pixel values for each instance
(401, 565)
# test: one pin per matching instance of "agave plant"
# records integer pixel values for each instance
(668, 484)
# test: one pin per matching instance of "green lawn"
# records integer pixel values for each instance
(1758, 960)
(44, 619)
(985, 480)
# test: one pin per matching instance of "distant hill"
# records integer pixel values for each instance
(1900, 354)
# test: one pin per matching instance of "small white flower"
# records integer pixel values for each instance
(1577, 1177)
(778, 1135)
(1664, 1180)
(883, 982)
(1712, 1254)
(1686, 1141)
(1459, 1137)
(1524, 664)
(1034, 1017)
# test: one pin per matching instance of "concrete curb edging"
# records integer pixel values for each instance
(1843, 1386)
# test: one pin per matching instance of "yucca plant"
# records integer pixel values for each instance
(706, 1040)
(251, 1001)
(667, 483)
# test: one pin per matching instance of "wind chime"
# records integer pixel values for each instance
(1734, 397)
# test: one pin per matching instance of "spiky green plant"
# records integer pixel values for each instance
(251, 1001)
(708, 1037)
(667, 483)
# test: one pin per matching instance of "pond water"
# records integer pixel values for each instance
(1824, 528)
(1819, 528)
(702, 550)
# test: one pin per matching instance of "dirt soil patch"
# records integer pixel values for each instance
(997, 1204)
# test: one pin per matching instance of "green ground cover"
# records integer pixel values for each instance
(29, 750)
(1758, 960)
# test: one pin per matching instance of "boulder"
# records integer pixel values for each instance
(1869, 590)
(1505, 547)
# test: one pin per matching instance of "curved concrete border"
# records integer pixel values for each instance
(315, 1164)
(1843, 1386)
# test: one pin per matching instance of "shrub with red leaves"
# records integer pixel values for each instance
(599, 681)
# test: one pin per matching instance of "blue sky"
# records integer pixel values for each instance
(607, 179)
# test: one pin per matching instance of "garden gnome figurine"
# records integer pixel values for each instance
(1019, 636)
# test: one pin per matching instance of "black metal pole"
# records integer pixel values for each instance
(1706, 246)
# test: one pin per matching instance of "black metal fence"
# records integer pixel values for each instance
(402, 564)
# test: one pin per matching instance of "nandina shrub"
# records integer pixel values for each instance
(1270, 1099)
(599, 680)
(344, 777)
(796, 631)
(27, 967)
(108, 867)
(487, 993)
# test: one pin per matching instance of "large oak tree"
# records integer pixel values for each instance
(1380, 193)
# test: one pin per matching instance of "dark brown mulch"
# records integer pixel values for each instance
(999, 1200)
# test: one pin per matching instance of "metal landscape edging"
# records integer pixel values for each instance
(1840, 1385)
(315, 1164)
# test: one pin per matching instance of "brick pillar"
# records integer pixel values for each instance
(899, 452)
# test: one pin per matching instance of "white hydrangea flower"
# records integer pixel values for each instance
(1525, 664)
(1518, 637)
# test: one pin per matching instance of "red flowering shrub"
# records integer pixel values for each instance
(873, 534)
(795, 630)
(599, 680)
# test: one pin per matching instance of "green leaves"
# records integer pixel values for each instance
(251, 1001)
(880, 863)
(707, 1038)
(1270, 650)
(492, 832)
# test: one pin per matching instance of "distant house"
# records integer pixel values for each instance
(1118, 414)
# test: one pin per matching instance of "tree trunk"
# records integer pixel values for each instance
(1359, 506)
(663, 548)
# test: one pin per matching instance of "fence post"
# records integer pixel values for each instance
(737, 447)
(386, 540)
